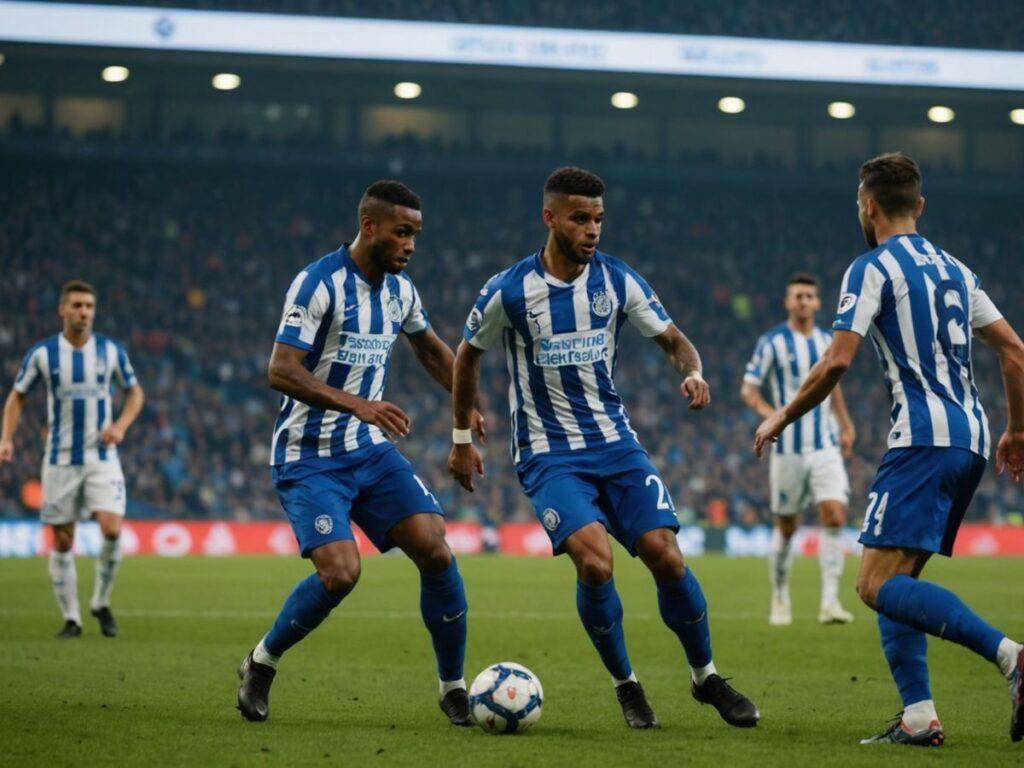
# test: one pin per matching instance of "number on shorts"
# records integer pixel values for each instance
(426, 491)
(118, 489)
(882, 503)
(664, 500)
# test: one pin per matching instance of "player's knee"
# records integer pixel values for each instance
(868, 586)
(340, 577)
(63, 541)
(787, 525)
(434, 557)
(667, 564)
(593, 569)
(833, 516)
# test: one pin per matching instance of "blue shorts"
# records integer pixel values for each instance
(616, 486)
(919, 498)
(375, 488)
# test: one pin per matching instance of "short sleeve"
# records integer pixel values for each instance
(860, 298)
(416, 319)
(983, 310)
(643, 308)
(305, 305)
(761, 362)
(29, 372)
(124, 372)
(487, 319)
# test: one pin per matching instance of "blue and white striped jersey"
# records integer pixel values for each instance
(78, 387)
(560, 345)
(918, 304)
(348, 327)
(784, 357)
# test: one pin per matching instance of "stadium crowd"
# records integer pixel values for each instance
(980, 24)
(192, 262)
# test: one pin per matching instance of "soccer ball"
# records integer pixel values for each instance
(506, 698)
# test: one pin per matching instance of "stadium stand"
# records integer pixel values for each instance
(192, 261)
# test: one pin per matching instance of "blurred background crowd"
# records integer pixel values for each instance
(192, 264)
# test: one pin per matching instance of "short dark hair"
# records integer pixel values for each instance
(76, 286)
(802, 278)
(390, 192)
(574, 181)
(894, 181)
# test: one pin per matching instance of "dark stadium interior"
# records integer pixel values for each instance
(191, 209)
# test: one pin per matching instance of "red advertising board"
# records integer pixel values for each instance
(177, 539)
(28, 538)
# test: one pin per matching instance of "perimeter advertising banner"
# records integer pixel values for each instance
(28, 538)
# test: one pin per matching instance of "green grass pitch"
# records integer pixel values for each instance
(361, 690)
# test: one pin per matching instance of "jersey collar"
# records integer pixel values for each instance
(538, 266)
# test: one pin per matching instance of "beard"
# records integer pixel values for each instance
(380, 257)
(565, 245)
(869, 235)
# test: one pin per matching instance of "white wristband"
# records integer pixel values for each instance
(462, 436)
(694, 375)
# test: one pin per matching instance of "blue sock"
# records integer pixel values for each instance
(685, 611)
(600, 611)
(937, 611)
(906, 650)
(308, 605)
(443, 605)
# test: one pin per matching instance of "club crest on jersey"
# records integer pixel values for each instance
(323, 524)
(846, 302)
(394, 309)
(295, 315)
(475, 320)
(551, 519)
(601, 305)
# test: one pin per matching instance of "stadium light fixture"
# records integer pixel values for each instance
(841, 110)
(1017, 116)
(731, 105)
(114, 74)
(408, 90)
(624, 100)
(226, 81)
(939, 114)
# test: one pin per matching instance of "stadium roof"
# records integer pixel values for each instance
(164, 29)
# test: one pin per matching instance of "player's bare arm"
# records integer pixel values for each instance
(13, 407)
(751, 396)
(134, 399)
(465, 459)
(847, 432)
(437, 359)
(1008, 345)
(686, 360)
(289, 376)
(822, 379)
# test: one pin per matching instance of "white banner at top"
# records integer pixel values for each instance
(346, 38)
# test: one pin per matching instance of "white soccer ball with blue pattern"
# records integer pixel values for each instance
(506, 698)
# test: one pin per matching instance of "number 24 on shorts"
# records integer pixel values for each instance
(879, 513)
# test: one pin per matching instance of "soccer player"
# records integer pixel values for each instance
(558, 313)
(333, 456)
(806, 463)
(82, 474)
(919, 305)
